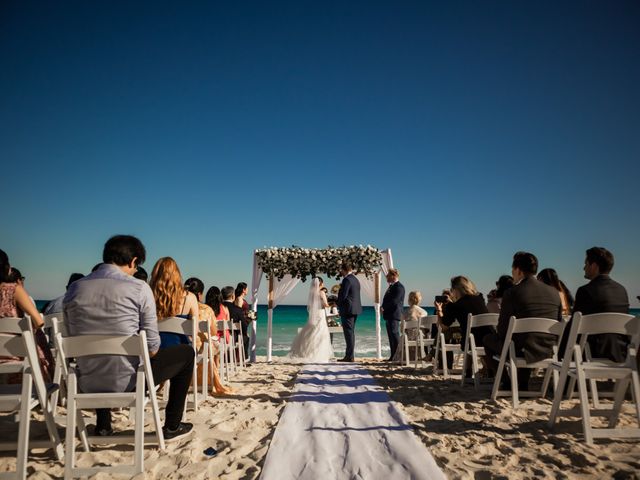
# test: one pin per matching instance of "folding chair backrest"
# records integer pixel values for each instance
(598, 323)
(412, 324)
(536, 325)
(429, 321)
(48, 319)
(483, 320)
(180, 326)
(84, 345)
(15, 325)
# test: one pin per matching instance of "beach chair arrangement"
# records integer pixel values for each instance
(509, 360)
(17, 340)
(579, 367)
(473, 349)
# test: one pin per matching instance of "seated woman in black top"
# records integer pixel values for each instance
(465, 300)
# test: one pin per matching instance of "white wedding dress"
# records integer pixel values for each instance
(313, 343)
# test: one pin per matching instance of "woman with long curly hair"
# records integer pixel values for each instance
(172, 300)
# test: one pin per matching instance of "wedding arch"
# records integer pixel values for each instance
(284, 267)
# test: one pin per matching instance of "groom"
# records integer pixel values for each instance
(350, 307)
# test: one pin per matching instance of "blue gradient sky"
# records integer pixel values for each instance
(454, 133)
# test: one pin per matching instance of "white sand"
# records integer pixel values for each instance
(339, 424)
(468, 435)
(472, 437)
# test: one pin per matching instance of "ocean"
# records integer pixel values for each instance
(288, 318)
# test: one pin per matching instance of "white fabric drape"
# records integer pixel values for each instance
(387, 261)
(367, 285)
(255, 285)
(282, 288)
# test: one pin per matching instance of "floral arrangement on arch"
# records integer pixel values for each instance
(276, 262)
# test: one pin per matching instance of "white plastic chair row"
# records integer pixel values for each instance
(17, 340)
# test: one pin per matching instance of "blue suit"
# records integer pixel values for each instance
(349, 306)
(392, 313)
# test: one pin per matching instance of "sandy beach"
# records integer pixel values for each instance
(468, 435)
(472, 437)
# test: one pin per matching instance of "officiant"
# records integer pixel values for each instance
(392, 309)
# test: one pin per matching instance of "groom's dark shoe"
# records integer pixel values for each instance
(345, 359)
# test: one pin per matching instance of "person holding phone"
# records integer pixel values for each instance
(464, 300)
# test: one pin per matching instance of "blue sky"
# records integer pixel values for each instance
(454, 133)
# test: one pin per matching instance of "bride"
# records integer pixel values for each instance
(313, 343)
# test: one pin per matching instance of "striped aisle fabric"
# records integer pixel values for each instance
(339, 424)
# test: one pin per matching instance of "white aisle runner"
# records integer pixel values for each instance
(340, 424)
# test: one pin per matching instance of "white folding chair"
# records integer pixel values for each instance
(227, 358)
(416, 329)
(54, 322)
(579, 367)
(239, 345)
(17, 340)
(442, 347)
(85, 345)
(472, 351)
(189, 327)
(209, 361)
(511, 362)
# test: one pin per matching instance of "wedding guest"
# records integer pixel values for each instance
(550, 277)
(239, 301)
(16, 302)
(214, 300)
(55, 305)
(529, 297)
(602, 294)
(464, 300)
(141, 274)
(110, 301)
(494, 298)
(15, 276)
(172, 300)
(391, 309)
(413, 312)
(205, 313)
(236, 313)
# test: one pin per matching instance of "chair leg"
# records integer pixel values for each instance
(514, 385)
(594, 393)
(25, 423)
(138, 452)
(53, 431)
(621, 388)
(545, 383)
(584, 406)
(557, 398)
(69, 460)
(465, 361)
(635, 390)
(475, 369)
